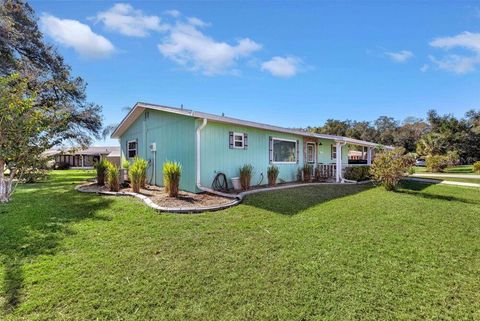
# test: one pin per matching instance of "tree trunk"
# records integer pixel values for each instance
(5, 184)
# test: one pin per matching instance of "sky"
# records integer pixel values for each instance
(285, 63)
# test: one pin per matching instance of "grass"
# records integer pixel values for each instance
(461, 169)
(453, 179)
(312, 253)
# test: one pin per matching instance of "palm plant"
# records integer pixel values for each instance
(172, 171)
(272, 173)
(113, 177)
(101, 166)
(246, 176)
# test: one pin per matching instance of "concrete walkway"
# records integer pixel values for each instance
(445, 175)
(436, 181)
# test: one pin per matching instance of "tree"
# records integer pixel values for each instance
(409, 133)
(386, 128)
(36, 75)
(333, 127)
(390, 166)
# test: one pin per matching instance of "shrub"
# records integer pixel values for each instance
(272, 173)
(33, 175)
(101, 167)
(137, 173)
(307, 172)
(357, 173)
(389, 167)
(125, 164)
(476, 167)
(437, 163)
(61, 165)
(172, 171)
(113, 177)
(246, 176)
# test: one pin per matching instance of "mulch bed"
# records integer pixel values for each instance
(159, 197)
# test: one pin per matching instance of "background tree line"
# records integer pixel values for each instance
(435, 135)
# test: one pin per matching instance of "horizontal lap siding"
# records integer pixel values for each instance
(324, 155)
(216, 156)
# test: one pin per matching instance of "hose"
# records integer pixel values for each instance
(220, 182)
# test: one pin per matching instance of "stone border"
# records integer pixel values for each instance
(149, 202)
(237, 198)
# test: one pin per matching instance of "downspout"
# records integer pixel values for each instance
(339, 163)
(198, 164)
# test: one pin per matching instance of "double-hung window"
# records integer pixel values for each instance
(239, 140)
(132, 148)
(284, 151)
(333, 151)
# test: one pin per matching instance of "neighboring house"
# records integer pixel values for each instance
(84, 158)
(206, 144)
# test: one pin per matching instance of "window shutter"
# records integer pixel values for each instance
(137, 148)
(298, 150)
(245, 141)
(230, 140)
(270, 149)
(126, 150)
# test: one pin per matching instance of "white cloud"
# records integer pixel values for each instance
(400, 56)
(458, 63)
(191, 48)
(283, 67)
(424, 68)
(173, 13)
(125, 19)
(76, 35)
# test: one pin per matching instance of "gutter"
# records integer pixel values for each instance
(198, 166)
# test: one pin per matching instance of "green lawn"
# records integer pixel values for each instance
(461, 169)
(312, 253)
(452, 179)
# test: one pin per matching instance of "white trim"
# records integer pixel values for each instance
(285, 140)
(139, 107)
(243, 140)
(128, 148)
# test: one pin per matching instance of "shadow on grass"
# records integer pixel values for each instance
(418, 189)
(35, 221)
(295, 200)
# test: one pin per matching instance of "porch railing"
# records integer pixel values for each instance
(325, 171)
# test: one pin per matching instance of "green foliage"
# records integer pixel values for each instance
(137, 173)
(101, 167)
(61, 165)
(438, 163)
(476, 167)
(246, 176)
(125, 164)
(389, 166)
(112, 174)
(272, 173)
(172, 171)
(307, 171)
(357, 173)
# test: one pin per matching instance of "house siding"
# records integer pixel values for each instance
(216, 156)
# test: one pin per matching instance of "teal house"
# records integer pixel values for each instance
(207, 144)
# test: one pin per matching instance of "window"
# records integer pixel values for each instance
(333, 151)
(132, 148)
(238, 140)
(284, 151)
(310, 153)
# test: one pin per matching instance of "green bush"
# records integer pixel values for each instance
(172, 171)
(476, 167)
(389, 167)
(137, 174)
(101, 166)
(357, 173)
(437, 163)
(125, 164)
(246, 176)
(307, 172)
(113, 177)
(272, 173)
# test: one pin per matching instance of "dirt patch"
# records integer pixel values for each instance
(159, 197)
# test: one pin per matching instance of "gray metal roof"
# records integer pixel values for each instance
(139, 107)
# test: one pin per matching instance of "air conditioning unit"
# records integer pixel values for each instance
(153, 147)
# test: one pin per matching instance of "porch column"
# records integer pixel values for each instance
(81, 160)
(338, 172)
(369, 156)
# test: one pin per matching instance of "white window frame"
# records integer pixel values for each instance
(313, 153)
(333, 149)
(283, 140)
(242, 140)
(129, 149)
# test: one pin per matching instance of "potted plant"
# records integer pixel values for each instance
(246, 176)
(272, 173)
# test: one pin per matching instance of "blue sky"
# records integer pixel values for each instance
(287, 63)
